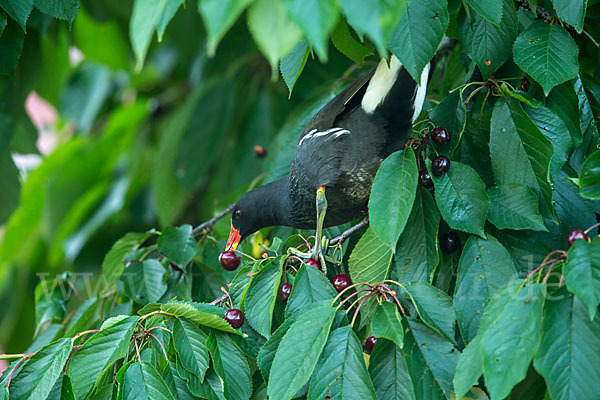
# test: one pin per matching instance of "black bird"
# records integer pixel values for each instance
(338, 153)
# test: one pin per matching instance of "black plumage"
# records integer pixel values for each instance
(341, 148)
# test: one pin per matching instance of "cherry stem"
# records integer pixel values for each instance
(357, 300)
(159, 327)
(358, 309)
(550, 270)
(228, 296)
(350, 287)
(137, 349)
(85, 333)
(143, 317)
(542, 265)
(72, 286)
(244, 254)
(352, 295)
(12, 356)
(591, 227)
(21, 361)
(161, 345)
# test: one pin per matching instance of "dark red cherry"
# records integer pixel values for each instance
(314, 263)
(341, 282)
(229, 260)
(284, 291)
(370, 344)
(449, 242)
(235, 317)
(440, 135)
(425, 179)
(574, 235)
(440, 165)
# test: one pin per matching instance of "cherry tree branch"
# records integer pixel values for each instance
(208, 225)
(341, 238)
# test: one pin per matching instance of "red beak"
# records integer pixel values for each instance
(234, 239)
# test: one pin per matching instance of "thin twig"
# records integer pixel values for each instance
(341, 238)
(219, 300)
(208, 225)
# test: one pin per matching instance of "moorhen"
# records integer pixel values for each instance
(338, 154)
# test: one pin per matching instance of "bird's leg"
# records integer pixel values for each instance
(316, 252)
(321, 202)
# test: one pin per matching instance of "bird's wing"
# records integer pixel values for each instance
(318, 157)
(346, 100)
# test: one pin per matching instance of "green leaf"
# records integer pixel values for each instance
(36, 377)
(489, 43)
(556, 131)
(564, 102)
(113, 264)
(142, 381)
(489, 9)
(485, 266)
(267, 352)
(61, 9)
(219, 16)
(514, 207)
(261, 297)
(293, 63)
(273, 30)
(299, 352)
(511, 341)
(144, 282)
(197, 147)
(176, 384)
(18, 10)
(461, 198)
(389, 372)
(99, 352)
(178, 244)
(434, 307)
(51, 297)
(82, 318)
(343, 40)
(190, 343)
(386, 323)
(316, 18)
(582, 272)
(439, 353)
(11, 45)
(166, 17)
(589, 177)
(572, 12)
(370, 259)
(516, 141)
(468, 368)
(192, 312)
(392, 196)
(564, 358)
(417, 248)
(415, 40)
(231, 365)
(101, 41)
(341, 371)
(145, 17)
(547, 53)
(310, 286)
(377, 21)
(452, 115)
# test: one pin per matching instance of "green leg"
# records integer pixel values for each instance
(317, 253)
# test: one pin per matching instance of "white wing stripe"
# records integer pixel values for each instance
(336, 131)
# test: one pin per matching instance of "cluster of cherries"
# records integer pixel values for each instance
(441, 164)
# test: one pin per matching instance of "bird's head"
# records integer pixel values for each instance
(261, 207)
(245, 220)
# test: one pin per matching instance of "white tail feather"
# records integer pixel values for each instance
(380, 84)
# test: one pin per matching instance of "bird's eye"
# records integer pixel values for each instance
(238, 213)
